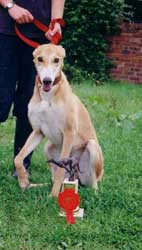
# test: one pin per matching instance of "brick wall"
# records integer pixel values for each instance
(126, 53)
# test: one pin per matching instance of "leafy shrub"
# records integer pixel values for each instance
(134, 9)
(87, 25)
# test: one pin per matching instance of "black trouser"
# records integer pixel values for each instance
(17, 76)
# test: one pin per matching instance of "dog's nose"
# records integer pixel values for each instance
(47, 80)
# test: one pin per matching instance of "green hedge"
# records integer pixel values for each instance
(88, 22)
(134, 10)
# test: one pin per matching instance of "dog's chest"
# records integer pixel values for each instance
(50, 119)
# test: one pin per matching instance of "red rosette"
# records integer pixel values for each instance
(69, 201)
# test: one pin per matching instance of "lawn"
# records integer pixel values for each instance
(113, 218)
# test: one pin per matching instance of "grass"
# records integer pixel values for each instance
(113, 217)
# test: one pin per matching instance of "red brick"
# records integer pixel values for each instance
(126, 53)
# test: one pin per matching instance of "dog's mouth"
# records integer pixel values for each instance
(47, 87)
(48, 83)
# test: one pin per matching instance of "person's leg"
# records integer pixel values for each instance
(23, 94)
(8, 74)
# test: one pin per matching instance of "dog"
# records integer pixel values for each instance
(55, 112)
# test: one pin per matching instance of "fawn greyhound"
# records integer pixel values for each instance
(55, 112)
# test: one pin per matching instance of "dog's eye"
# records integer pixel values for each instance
(56, 60)
(40, 59)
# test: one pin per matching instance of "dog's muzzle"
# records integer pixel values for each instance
(47, 81)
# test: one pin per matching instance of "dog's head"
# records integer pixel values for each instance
(48, 59)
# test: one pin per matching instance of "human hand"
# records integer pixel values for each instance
(20, 15)
(52, 31)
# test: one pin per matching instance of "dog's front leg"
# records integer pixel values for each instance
(31, 143)
(60, 172)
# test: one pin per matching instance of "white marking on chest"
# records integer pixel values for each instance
(49, 118)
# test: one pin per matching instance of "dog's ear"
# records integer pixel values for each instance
(62, 51)
(37, 81)
(35, 52)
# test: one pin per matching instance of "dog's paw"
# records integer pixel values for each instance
(55, 191)
(24, 182)
(54, 194)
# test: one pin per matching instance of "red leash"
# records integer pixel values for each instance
(56, 38)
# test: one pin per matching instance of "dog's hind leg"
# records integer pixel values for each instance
(31, 143)
(91, 164)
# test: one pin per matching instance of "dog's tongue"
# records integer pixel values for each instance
(46, 88)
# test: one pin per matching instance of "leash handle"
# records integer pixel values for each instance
(40, 25)
(45, 28)
(25, 39)
(56, 38)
